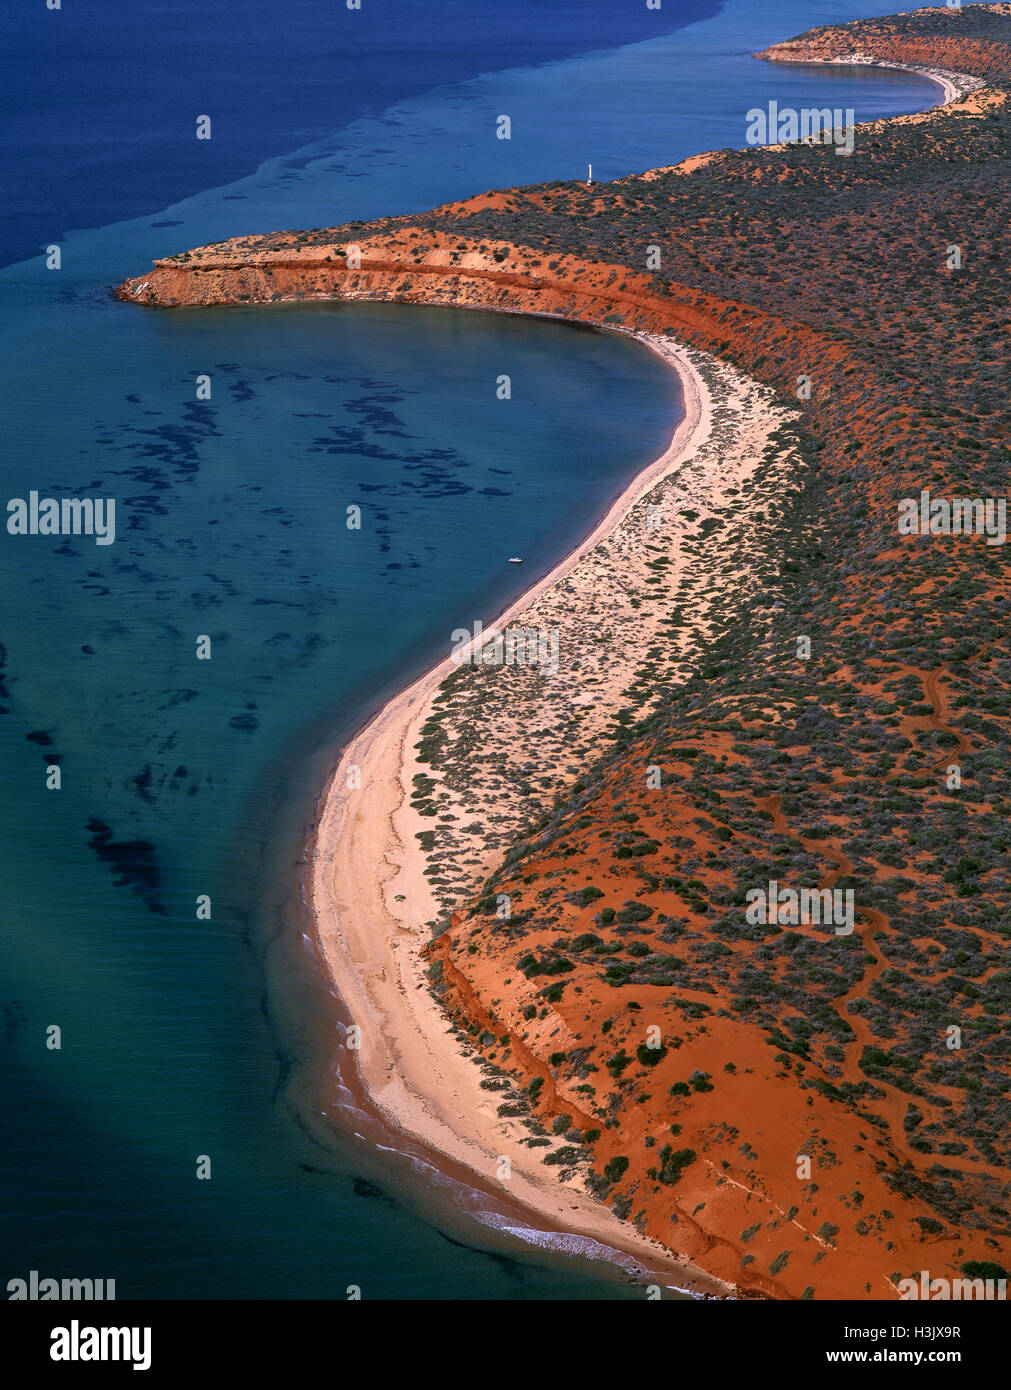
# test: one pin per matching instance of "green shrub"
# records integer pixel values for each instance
(615, 1168)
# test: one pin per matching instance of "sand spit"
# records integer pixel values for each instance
(386, 868)
(426, 798)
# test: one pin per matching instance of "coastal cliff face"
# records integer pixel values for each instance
(802, 1111)
(412, 267)
(971, 40)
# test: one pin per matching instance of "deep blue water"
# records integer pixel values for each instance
(182, 777)
(100, 102)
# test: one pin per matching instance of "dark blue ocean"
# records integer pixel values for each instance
(181, 777)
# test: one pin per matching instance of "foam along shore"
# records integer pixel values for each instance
(374, 904)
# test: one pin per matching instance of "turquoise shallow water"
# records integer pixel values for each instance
(181, 777)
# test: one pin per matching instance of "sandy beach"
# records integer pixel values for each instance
(374, 904)
(954, 85)
(494, 823)
(391, 862)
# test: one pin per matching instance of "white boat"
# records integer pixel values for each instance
(515, 560)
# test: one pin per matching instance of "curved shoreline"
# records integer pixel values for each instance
(415, 1074)
(954, 85)
(379, 749)
(374, 956)
(403, 1048)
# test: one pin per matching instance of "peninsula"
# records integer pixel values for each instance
(533, 902)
